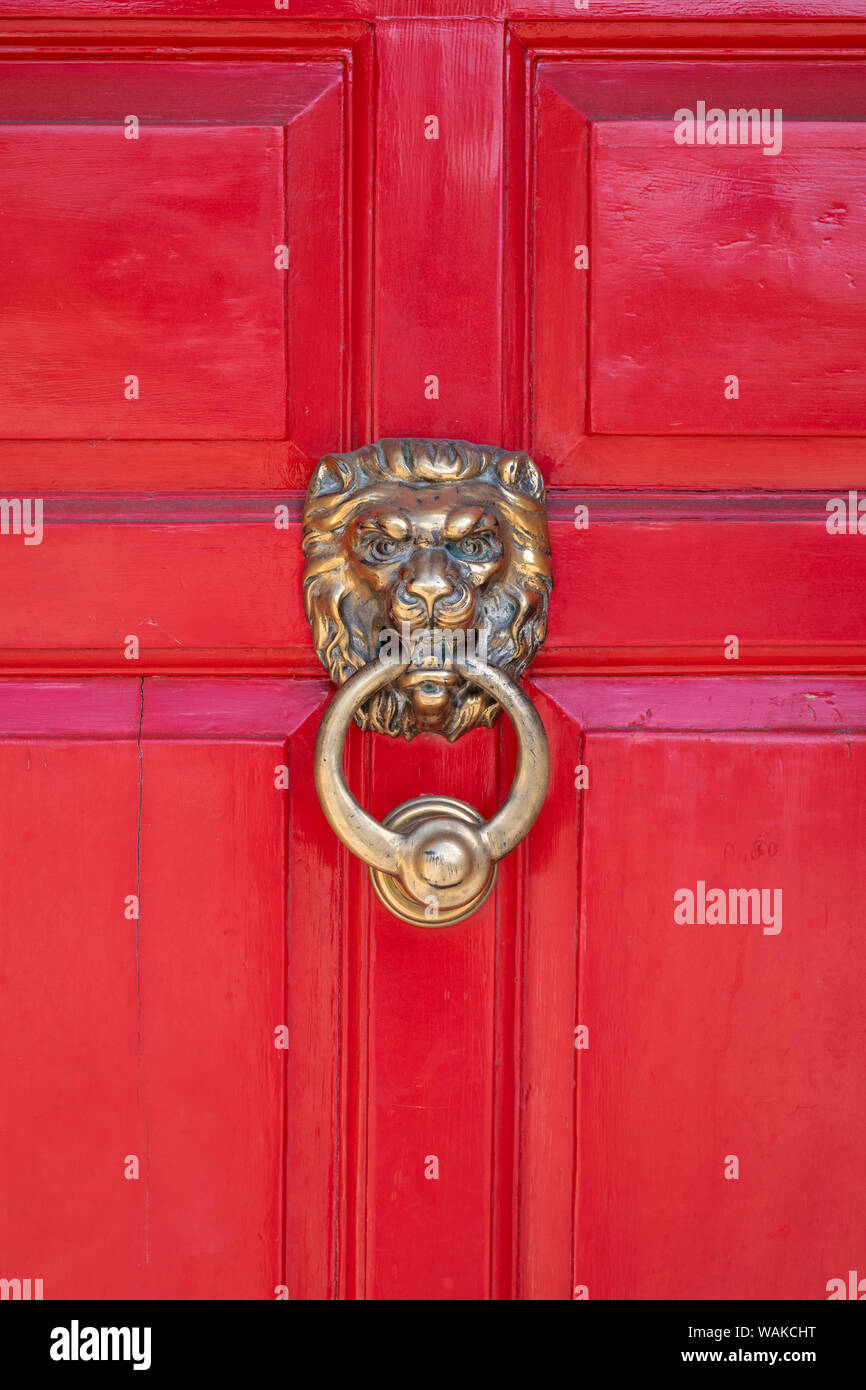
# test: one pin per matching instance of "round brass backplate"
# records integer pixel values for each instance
(391, 891)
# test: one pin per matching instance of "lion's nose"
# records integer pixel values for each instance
(429, 581)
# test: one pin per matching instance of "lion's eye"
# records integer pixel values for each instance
(478, 548)
(382, 548)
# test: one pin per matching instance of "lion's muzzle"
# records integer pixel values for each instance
(431, 592)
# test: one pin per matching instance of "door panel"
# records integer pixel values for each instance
(439, 210)
(703, 262)
(186, 327)
(746, 1041)
(141, 1058)
(431, 1060)
(69, 1018)
(704, 1041)
(695, 298)
(690, 569)
(147, 282)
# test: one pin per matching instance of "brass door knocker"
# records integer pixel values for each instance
(426, 586)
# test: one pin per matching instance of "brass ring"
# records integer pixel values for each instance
(446, 856)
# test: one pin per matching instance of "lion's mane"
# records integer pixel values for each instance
(347, 619)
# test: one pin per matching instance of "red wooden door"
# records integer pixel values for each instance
(234, 237)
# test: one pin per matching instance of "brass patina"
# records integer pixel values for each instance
(426, 585)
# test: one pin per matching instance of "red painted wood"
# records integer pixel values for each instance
(691, 569)
(738, 1043)
(560, 10)
(658, 368)
(267, 1169)
(703, 1041)
(151, 1038)
(145, 281)
(177, 1063)
(448, 191)
(546, 1173)
(430, 1058)
(167, 268)
(211, 995)
(68, 1032)
(638, 310)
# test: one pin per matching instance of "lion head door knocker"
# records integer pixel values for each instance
(426, 586)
